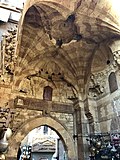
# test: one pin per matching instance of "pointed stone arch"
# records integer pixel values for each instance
(23, 130)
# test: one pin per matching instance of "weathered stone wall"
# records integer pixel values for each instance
(105, 107)
(108, 110)
(34, 87)
(108, 106)
(22, 116)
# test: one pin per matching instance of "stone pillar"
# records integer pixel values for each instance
(78, 138)
(75, 132)
(88, 115)
(85, 125)
(12, 150)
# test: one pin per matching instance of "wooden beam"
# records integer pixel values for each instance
(41, 105)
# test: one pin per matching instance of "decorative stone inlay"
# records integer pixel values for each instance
(8, 58)
(116, 55)
(6, 117)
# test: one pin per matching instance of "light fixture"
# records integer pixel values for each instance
(104, 146)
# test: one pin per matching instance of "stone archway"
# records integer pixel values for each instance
(34, 123)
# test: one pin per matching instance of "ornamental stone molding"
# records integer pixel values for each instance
(8, 57)
(98, 81)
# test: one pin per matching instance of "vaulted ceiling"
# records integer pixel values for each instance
(67, 38)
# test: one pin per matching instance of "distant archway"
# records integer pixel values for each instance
(36, 122)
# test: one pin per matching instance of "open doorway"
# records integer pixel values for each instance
(42, 143)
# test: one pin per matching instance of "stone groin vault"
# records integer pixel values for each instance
(64, 72)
